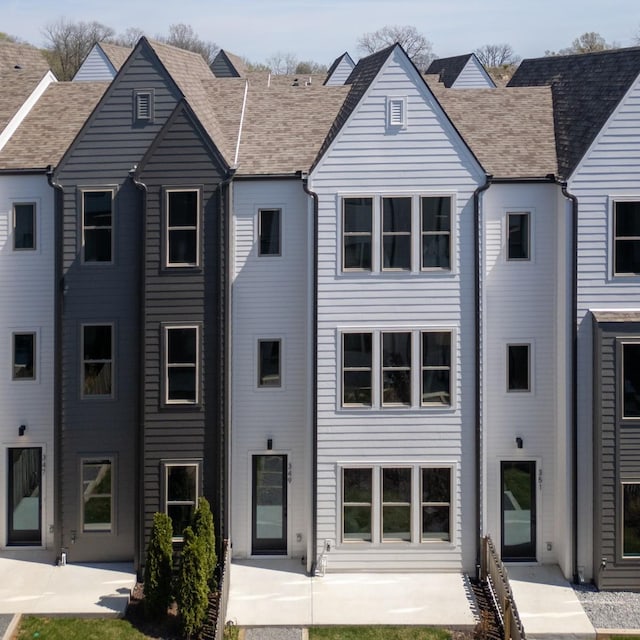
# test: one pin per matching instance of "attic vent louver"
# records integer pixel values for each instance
(397, 112)
(143, 105)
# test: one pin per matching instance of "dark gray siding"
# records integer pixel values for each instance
(182, 158)
(105, 151)
(223, 68)
(616, 458)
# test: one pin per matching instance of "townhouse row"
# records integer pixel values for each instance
(371, 317)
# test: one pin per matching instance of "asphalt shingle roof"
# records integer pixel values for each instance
(22, 55)
(448, 69)
(117, 54)
(586, 90)
(16, 85)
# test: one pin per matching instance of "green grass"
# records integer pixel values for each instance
(625, 637)
(377, 633)
(37, 628)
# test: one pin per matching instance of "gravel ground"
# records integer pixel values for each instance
(610, 609)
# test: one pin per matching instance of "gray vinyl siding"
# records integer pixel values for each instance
(96, 66)
(616, 458)
(473, 76)
(107, 148)
(341, 72)
(182, 296)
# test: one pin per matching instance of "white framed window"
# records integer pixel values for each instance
(181, 486)
(269, 363)
(269, 232)
(182, 364)
(397, 112)
(357, 369)
(396, 233)
(630, 380)
(396, 349)
(97, 226)
(631, 520)
(357, 233)
(435, 220)
(518, 236)
(626, 237)
(436, 368)
(182, 227)
(23, 355)
(24, 226)
(408, 504)
(519, 367)
(97, 494)
(97, 361)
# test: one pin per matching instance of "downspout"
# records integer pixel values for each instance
(139, 491)
(478, 404)
(314, 385)
(574, 375)
(58, 212)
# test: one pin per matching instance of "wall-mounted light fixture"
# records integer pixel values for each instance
(519, 442)
(269, 444)
(21, 429)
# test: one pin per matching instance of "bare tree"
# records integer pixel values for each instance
(636, 38)
(184, 37)
(497, 55)
(6, 37)
(308, 67)
(129, 37)
(282, 63)
(68, 43)
(586, 43)
(416, 45)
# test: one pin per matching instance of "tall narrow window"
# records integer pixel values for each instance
(357, 490)
(182, 228)
(356, 369)
(97, 495)
(631, 520)
(436, 232)
(97, 226)
(97, 360)
(181, 483)
(357, 225)
(24, 226)
(24, 350)
(436, 367)
(396, 233)
(269, 374)
(626, 238)
(518, 236)
(631, 380)
(518, 367)
(396, 505)
(396, 368)
(436, 504)
(181, 351)
(269, 232)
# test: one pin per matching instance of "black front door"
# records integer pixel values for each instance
(518, 509)
(25, 496)
(269, 505)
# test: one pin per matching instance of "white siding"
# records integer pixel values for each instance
(611, 168)
(96, 66)
(473, 76)
(270, 299)
(27, 304)
(341, 72)
(367, 159)
(522, 301)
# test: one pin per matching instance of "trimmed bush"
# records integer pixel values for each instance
(159, 567)
(204, 530)
(192, 590)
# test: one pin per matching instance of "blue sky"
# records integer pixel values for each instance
(321, 30)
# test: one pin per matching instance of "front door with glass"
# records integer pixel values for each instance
(269, 505)
(518, 509)
(24, 501)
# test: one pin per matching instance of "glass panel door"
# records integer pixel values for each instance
(25, 496)
(518, 508)
(269, 505)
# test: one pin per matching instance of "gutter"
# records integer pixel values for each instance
(31, 172)
(314, 384)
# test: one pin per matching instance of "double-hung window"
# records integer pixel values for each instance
(97, 360)
(435, 214)
(183, 215)
(24, 356)
(436, 367)
(396, 504)
(626, 238)
(356, 369)
(357, 229)
(181, 485)
(97, 226)
(396, 233)
(357, 490)
(181, 365)
(24, 226)
(97, 495)
(631, 520)
(436, 503)
(396, 368)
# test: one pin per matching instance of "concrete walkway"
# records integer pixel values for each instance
(547, 604)
(278, 593)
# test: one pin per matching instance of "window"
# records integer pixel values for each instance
(396, 233)
(357, 220)
(396, 505)
(97, 226)
(397, 112)
(436, 368)
(436, 504)
(518, 242)
(24, 349)
(626, 238)
(269, 363)
(356, 504)
(182, 228)
(631, 380)
(411, 504)
(97, 495)
(182, 371)
(269, 223)
(518, 367)
(356, 369)
(436, 232)
(97, 360)
(631, 520)
(24, 226)
(396, 368)
(181, 486)
(143, 106)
